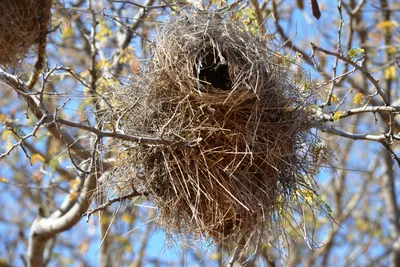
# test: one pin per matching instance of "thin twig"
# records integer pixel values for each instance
(338, 51)
(358, 67)
(110, 202)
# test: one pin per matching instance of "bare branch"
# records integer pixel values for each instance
(358, 67)
(368, 137)
(110, 202)
(323, 117)
(145, 7)
(38, 110)
(44, 229)
(339, 51)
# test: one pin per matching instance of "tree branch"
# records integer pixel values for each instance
(45, 228)
(358, 67)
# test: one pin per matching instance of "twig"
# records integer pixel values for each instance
(338, 51)
(370, 137)
(145, 7)
(50, 120)
(126, 137)
(130, 30)
(392, 153)
(234, 256)
(323, 117)
(24, 138)
(110, 202)
(358, 67)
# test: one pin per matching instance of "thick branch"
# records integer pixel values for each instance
(45, 228)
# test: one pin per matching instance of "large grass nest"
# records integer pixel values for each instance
(20, 26)
(238, 123)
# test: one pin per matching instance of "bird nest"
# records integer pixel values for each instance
(20, 26)
(237, 126)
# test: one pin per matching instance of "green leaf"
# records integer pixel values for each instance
(354, 52)
(53, 164)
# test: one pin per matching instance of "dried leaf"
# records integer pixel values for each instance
(2, 117)
(134, 64)
(300, 4)
(83, 247)
(73, 195)
(37, 177)
(73, 184)
(315, 9)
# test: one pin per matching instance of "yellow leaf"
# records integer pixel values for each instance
(128, 247)
(390, 73)
(73, 195)
(358, 98)
(3, 180)
(103, 33)
(73, 184)
(126, 55)
(85, 73)
(391, 50)
(126, 218)
(36, 158)
(67, 31)
(334, 99)
(9, 144)
(387, 25)
(336, 116)
(102, 64)
(105, 220)
(5, 134)
(120, 239)
(308, 195)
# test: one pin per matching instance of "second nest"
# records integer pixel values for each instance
(238, 126)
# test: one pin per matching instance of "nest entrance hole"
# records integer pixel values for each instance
(210, 69)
